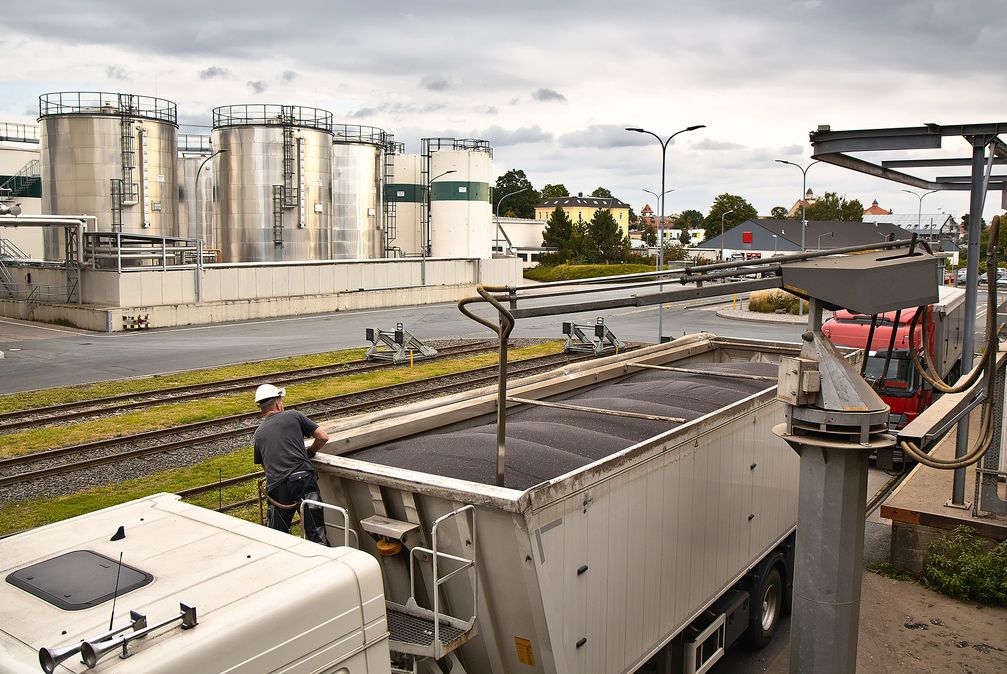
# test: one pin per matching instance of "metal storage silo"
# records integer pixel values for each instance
(405, 195)
(357, 176)
(274, 182)
(109, 155)
(195, 189)
(460, 217)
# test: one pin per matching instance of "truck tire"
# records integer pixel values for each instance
(766, 609)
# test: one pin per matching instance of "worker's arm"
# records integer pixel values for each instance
(320, 437)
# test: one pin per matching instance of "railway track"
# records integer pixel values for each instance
(41, 417)
(61, 460)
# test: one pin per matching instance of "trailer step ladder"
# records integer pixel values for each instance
(590, 338)
(396, 346)
(417, 631)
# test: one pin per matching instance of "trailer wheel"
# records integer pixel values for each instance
(766, 608)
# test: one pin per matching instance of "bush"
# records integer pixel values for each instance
(570, 272)
(774, 301)
(963, 565)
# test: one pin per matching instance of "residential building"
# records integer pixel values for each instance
(874, 209)
(582, 209)
(648, 217)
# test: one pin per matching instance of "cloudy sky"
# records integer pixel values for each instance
(553, 84)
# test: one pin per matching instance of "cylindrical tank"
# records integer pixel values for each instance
(406, 196)
(461, 223)
(274, 183)
(357, 165)
(195, 198)
(112, 156)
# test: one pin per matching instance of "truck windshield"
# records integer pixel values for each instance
(901, 373)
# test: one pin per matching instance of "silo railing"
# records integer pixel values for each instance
(280, 115)
(19, 133)
(107, 103)
(192, 142)
(354, 133)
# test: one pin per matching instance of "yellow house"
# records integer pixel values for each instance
(582, 209)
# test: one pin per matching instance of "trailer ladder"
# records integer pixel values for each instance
(430, 633)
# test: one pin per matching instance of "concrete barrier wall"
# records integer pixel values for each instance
(241, 292)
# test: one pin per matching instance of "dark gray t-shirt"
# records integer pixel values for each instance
(279, 445)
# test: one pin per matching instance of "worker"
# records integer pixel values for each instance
(290, 477)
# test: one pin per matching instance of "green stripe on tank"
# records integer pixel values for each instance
(459, 190)
(405, 193)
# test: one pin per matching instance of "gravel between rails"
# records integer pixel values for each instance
(112, 473)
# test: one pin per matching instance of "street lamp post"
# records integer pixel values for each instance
(660, 253)
(919, 211)
(820, 238)
(199, 217)
(660, 207)
(722, 232)
(509, 194)
(425, 236)
(804, 209)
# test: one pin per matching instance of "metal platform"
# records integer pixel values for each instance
(411, 630)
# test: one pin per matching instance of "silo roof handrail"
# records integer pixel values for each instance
(107, 103)
(268, 114)
(354, 133)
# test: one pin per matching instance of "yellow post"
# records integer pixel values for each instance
(410, 359)
(734, 301)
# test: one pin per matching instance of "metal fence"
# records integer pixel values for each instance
(20, 133)
(141, 252)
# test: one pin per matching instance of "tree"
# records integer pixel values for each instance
(831, 206)
(674, 251)
(602, 193)
(633, 219)
(737, 209)
(558, 231)
(649, 235)
(778, 213)
(521, 205)
(554, 191)
(689, 219)
(683, 237)
(606, 241)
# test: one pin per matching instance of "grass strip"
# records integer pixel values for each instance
(53, 396)
(175, 414)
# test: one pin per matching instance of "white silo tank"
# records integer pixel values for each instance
(405, 192)
(461, 223)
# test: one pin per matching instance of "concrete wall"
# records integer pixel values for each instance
(241, 292)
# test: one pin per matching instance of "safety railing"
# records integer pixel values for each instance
(19, 133)
(106, 103)
(328, 506)
(10, 251)
(353, 133)
(140, 252)
(193, 142)
(281, 115)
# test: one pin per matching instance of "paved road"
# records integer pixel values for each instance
(39, 356)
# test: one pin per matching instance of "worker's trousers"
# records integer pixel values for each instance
(299, 486)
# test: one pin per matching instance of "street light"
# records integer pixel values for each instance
(509, 194)
(722, 233)
(919, 212)
(199, 218)
(660, 253)
(820, 238)
(804, 211)
(660, 208)
(425, 247)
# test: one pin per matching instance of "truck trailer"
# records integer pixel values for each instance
(646, 521)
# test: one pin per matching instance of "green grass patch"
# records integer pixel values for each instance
(888, 570)
(571, 272)
(176, 414)
(53, 396)
(775, 301)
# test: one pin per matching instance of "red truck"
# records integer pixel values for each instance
(903, 389)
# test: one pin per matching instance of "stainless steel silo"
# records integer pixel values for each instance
(195, 189)
(358, 168)
(274, 182)
(109, 155)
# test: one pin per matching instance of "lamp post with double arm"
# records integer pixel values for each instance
(660, 254)
(425, 243)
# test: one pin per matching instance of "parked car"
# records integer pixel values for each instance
(1001, 277)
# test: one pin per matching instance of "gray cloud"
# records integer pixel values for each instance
(500, 137)
(603, 136)
(434, 83)
(710, 144)
(258, 86)
(548, 96)
(213, 72)
(397, 109)
(791, 150)
(289, 76)
(117, 72)
(486, 109)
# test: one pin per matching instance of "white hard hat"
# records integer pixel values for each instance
(267, 391)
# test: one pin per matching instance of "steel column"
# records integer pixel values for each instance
(971, 301)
